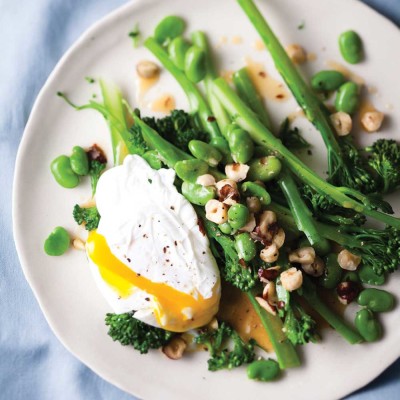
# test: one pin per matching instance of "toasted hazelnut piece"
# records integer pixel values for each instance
(253, 204)
(175, 348)
(291, 279)
(220, 184)
(236, 171)
(304, 255)
(227, 191)
(372, 120)
(78, 244)
(342, 123)
(250, 224)
(216, 211)
(147, 69)
(267, 218)
(205, 180)
(314, 269)
(269, 293)
(296, 53)
(265, 305)
(213, 324)
(348, 261)
(270, 253)
(279, 238)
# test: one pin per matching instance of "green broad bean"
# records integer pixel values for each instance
(376, 300)
(241, 145)
(263, 370)
(351, 47)
(370, 277)
(169, 28)
(221, 144)
(206, 152)
(350, 276)
(256, 190)
(195, 64)
(226, 228)
(79, 161)
(64, 175)
(153, 159)
(238, 215)
(198, 194)
(370, 329)
(348, 98)
(57, 242)
(245, 246)
(327, 80)
(190, 170)
(332, 274)
(264, 169)
(177, 50)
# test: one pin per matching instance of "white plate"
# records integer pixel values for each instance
(64, 286)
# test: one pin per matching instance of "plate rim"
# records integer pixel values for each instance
(94, 28)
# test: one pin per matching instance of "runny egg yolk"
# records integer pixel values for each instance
(169, 304)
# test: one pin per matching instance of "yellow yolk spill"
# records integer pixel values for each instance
(169, 302)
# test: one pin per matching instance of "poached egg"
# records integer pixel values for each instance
(148, 253)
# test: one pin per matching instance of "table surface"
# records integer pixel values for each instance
(33, 363)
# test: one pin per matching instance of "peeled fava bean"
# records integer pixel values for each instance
(241, 145)
(195, 64)
(62, 171)
(264, 169)
(190, 170)
(169, 28)
(205, 152)
(351, 47)
(348, 98)
(263, 370)
(198, 194)
(177, 51)
(57, 243)
(327, 80)
(376, 300)
(368, 326)
(245, 246)
(368, 276)
(238, 214)
(79, 161)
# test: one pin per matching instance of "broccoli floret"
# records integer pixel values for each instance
(299, 327)
(357, 175)
(178, 128)
(378, 249)
(326, 210)
(137, 141)
(95, 169)
(233, 270)
(87, 215)
(128, 330)
(220, 356)
(384, 159)
(292, 138)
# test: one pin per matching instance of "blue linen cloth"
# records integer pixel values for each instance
(33, 364)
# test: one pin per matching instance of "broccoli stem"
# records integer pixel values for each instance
(313, 108)
(301, 214)
(250, 95)
(200, 40)
(284, 349)
(197, 103)
(247, 120)
(309, 293)
(112, 100)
